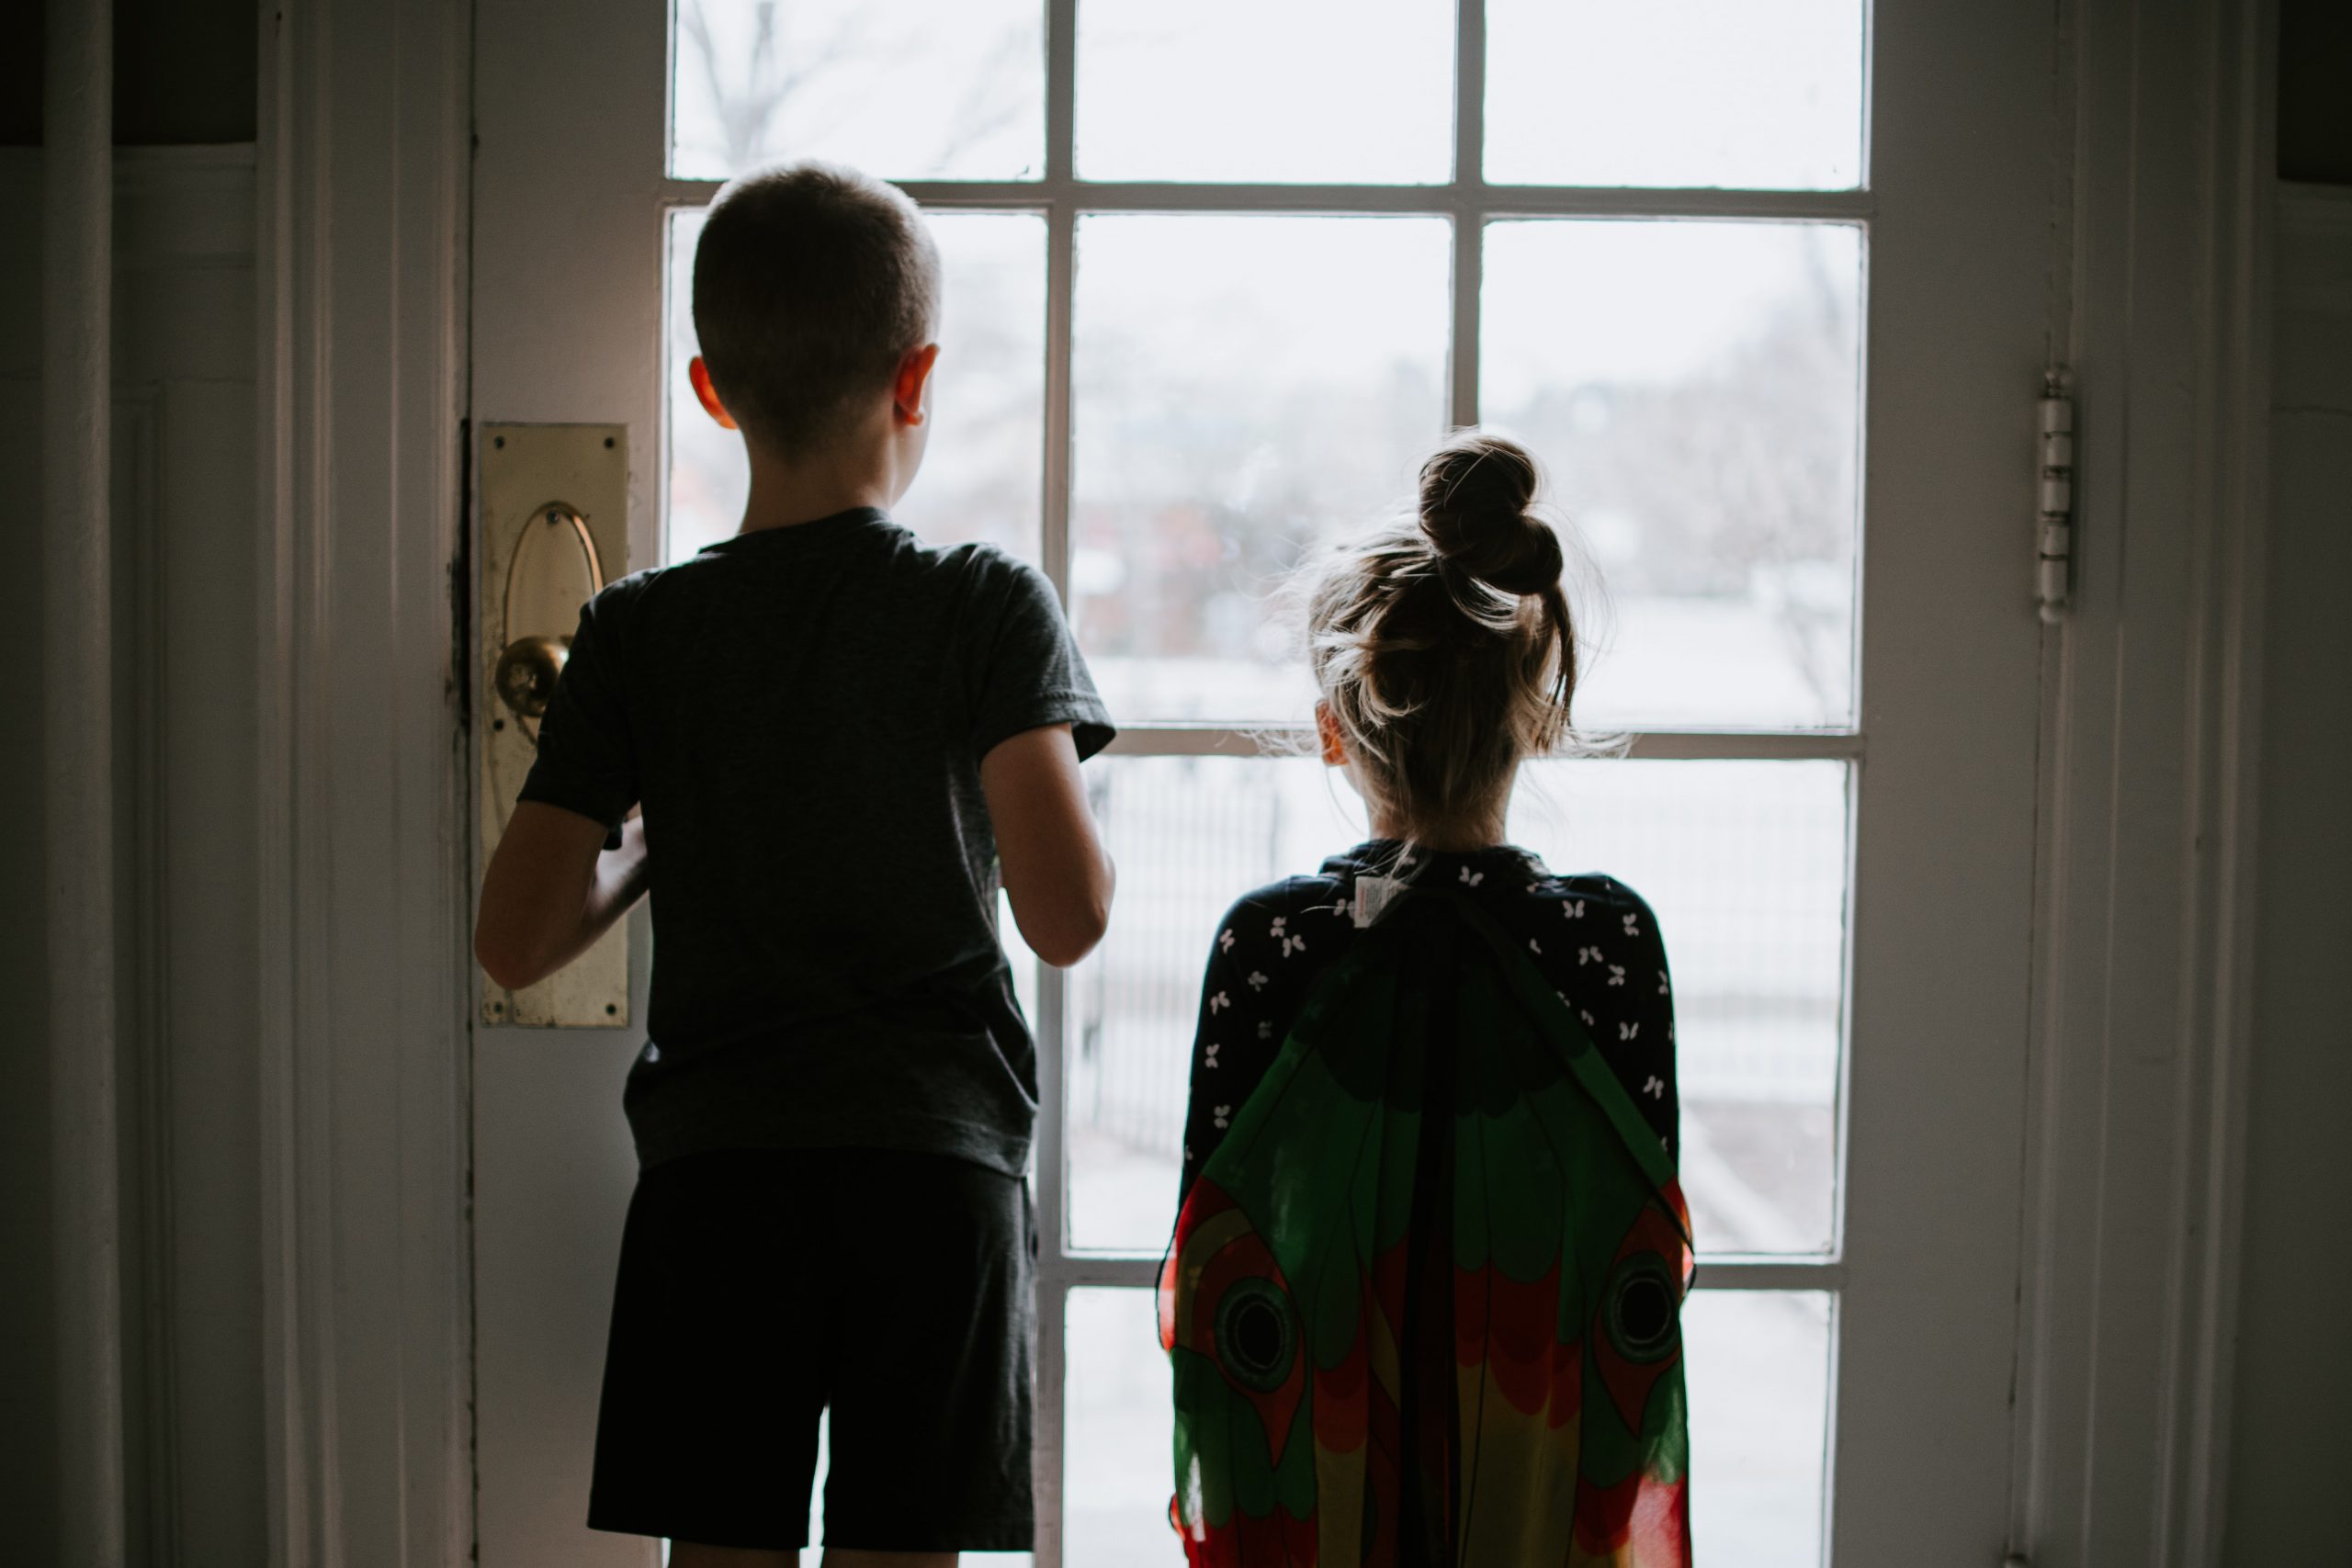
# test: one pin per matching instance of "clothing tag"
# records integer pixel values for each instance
(1374, 895)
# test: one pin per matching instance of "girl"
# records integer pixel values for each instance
(1423, 1296)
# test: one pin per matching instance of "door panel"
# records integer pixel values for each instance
(1831, 800)
(567, 310)
(1943, 846)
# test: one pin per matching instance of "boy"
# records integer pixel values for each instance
(837, 737)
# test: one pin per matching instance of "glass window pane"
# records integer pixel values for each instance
(1119, 1469)
(983, 473)
(1759, 1374)
(1694, 388)
(1266, 90)
(934, 89)
(1744, 864)
(1741, 94)
(1190, 835)
(1242, 386)
(1758, 1369)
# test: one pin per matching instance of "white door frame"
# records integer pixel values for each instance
(2137, 1074)
(2151, 736)
(362, 197)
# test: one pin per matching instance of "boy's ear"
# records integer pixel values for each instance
(1327, 731)
(910, 394)
(699, 374)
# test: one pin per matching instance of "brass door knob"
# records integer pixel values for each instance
(528, 671)
(553, 570)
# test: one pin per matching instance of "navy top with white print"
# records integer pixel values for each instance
(1594, 938)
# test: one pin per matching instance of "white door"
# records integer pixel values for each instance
(1760, 279)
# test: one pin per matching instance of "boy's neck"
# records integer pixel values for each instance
(841, 477)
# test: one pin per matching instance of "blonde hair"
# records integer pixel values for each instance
(1442, 642)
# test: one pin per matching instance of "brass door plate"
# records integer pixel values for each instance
(553, 526)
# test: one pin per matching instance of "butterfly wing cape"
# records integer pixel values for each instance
(1423, 1304)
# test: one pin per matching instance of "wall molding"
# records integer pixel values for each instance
(183, 370)
(177, 209)
(362, 188)
(2136, 1095)
(84, 958)
(150, 1347)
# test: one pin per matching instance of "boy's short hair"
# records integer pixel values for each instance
(812, 283)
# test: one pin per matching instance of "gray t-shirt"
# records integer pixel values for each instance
(802, 713)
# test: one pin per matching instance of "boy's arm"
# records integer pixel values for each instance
(552, 889)
(1055, 869)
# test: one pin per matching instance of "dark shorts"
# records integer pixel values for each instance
(759, 1287)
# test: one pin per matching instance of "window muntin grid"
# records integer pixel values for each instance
(1472, 205)
(1760, 1442)
(1742, 861)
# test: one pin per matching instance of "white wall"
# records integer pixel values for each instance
(185, 598)
(2292, 1437)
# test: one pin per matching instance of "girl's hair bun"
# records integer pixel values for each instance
(1475, 491)
(1442, 643)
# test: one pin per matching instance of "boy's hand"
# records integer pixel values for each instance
(552, 889)
(1055, 871)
